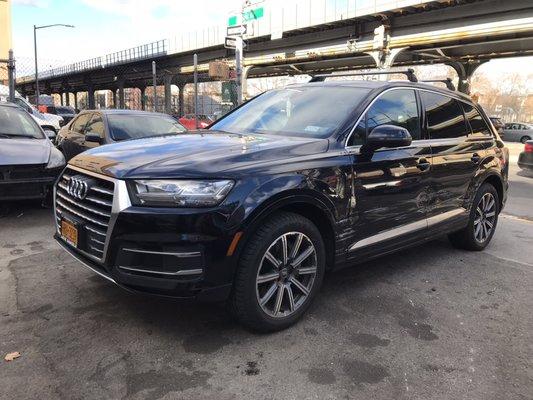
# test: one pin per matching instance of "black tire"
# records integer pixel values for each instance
(244, 301)
(524, 139)
(466, 238)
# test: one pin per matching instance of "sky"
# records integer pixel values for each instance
(105, 26)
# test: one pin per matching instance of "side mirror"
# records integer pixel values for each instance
(50, 134)
(388, 136)
(93, 137)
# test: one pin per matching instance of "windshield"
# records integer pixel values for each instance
(15, 122)
(129, 126)
(300, 111)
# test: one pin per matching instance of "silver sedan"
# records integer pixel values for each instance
(517, 132)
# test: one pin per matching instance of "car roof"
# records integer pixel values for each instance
(6, 104)
(373, 85)
(113, 111)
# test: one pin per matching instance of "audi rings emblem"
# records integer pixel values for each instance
(78, 186)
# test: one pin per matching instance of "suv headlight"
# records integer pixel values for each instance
(56, 159)
(180, 193)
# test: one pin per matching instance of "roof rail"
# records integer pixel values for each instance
(409, 73)
(448, 82)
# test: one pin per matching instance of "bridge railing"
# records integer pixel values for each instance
(296, 14)
(142, 52)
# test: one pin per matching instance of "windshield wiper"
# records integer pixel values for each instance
(10, 135)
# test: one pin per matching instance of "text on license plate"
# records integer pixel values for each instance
(69, 232)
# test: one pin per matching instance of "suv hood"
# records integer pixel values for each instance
(24, 151)
(210, 154)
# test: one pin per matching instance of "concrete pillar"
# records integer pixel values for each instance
(121, 99)
(90, 98)
(465, 70)
(181, 98)
(168, 93)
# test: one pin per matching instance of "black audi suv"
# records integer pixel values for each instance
(292, 184)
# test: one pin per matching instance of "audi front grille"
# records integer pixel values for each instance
(89, 206)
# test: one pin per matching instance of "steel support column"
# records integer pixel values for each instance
(115, 101)
(121, 99)
(168, 93)
(90, 97)
(143, 98)
(465, 70)
(181, 98)
(76, 100)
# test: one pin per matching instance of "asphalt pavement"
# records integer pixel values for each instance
(431, 322)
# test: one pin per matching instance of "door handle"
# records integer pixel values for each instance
(476, 158)
(423, 165)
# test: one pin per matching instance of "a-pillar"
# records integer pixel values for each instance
(121, 99)
(465, 70)
(168, 94)
(90, 97)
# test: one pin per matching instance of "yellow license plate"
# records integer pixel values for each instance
(69, 232)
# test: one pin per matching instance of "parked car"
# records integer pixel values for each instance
(29, 163)
(189, 122)
(65, 112)
(93, 128)
(518, 132)
(293, 184)
(498, 124)
(525, 159)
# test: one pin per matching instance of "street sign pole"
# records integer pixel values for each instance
(195, 61)
(238, 67)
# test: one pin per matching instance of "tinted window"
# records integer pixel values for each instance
(444, 116)
(395, 107)
(131, 126)
(79, 123)
(476, 121)
(15, 122)
(96, 125)
(309, 111)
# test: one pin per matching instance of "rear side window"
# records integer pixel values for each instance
(444, 116)
(96, 125)
(395, 107)
(477, 124)
(78, 125)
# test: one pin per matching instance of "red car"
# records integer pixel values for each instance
(189, 122)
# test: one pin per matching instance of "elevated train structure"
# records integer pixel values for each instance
(372, 34)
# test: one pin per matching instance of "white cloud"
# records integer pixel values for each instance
(32, 3)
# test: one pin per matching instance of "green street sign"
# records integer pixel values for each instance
(249, 15)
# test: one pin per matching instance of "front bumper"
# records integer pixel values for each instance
(180, 253)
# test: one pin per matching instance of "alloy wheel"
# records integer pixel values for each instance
(485, 218)
(286, 274)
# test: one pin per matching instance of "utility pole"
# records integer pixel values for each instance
(195, 61)
(37, 94)
(35, 27)
(11, 76)
(238, 67)
(154, 76)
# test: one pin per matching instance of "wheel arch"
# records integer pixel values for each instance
(497, 182)
(306, 205)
